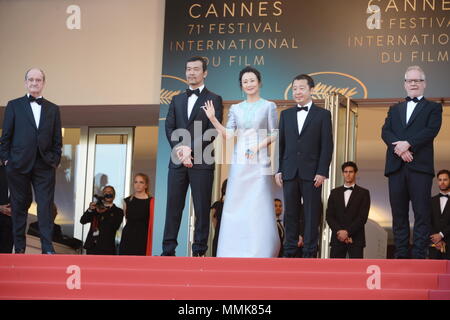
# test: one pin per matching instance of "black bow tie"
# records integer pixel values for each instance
(443, 195)
(415, 99)
(37, 100)
(190, 92)
(347, 189)
(302, 109)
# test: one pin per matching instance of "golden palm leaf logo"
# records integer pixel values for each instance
(351, 86)
(165, 96)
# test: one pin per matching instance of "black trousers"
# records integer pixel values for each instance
(340, 251)
(6, 234)
(437, 255)
(201, 182)
(42, 178)
(293, 191)
(407, 186)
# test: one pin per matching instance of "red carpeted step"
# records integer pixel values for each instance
(439, 295)
(253, 264)
(224, 278)
(164, 292)
(112, 277)
(444, 282)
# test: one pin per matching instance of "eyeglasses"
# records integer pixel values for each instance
(411, 81)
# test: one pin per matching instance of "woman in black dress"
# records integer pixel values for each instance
(137, 215)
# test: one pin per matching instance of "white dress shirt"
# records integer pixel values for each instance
(348, 193)
(192, 100)
(410, 108)
(36, 108)
(301, 116)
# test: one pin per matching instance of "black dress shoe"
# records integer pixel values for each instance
(166, 254)
(19, 251)
(49, 252)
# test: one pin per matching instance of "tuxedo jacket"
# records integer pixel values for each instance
(177, 118)
(440, 222)
(308, 153)
(351, 218)
(21, 140)
(420, 131)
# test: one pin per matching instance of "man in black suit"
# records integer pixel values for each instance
(347, 213)
(306, 147)
(190, 135)
(440, 218)
(278, 212)
(31, 149)
(409, 131)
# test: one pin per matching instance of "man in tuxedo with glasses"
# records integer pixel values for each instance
(409, 131)
(30, 147)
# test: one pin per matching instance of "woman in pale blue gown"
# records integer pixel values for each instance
(248, 227)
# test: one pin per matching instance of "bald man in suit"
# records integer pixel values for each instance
(30, 147)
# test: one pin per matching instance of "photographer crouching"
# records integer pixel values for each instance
(105, 219)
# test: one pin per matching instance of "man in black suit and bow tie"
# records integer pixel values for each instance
(440, 218)
(278, 213)
(31, 150)
(190, 135)
(347, 213)
(409, 131)
(306, 147)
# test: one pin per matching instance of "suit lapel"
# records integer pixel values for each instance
(184, 106)
(354, 194)
(44, 109)
(200, 102)
(28, 112)
(417, 110)
(446, 208)
(311, 114)
(292, 118)
(402, 111)
(342, 198)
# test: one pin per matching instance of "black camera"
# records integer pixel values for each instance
(99, 201)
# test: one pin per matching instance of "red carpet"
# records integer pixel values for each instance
(119, 277)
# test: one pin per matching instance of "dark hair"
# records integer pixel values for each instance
(443, 171)
(249, 70)
(305, 77)
(276, 199)
(224, 189)
(112, 188)
(349, 164)
(198, 58)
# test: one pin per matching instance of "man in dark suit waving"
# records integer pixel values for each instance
(409, 131)
(440, 218)
(31, 150)
(347, 213)
(190, 135)
(306, 147)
